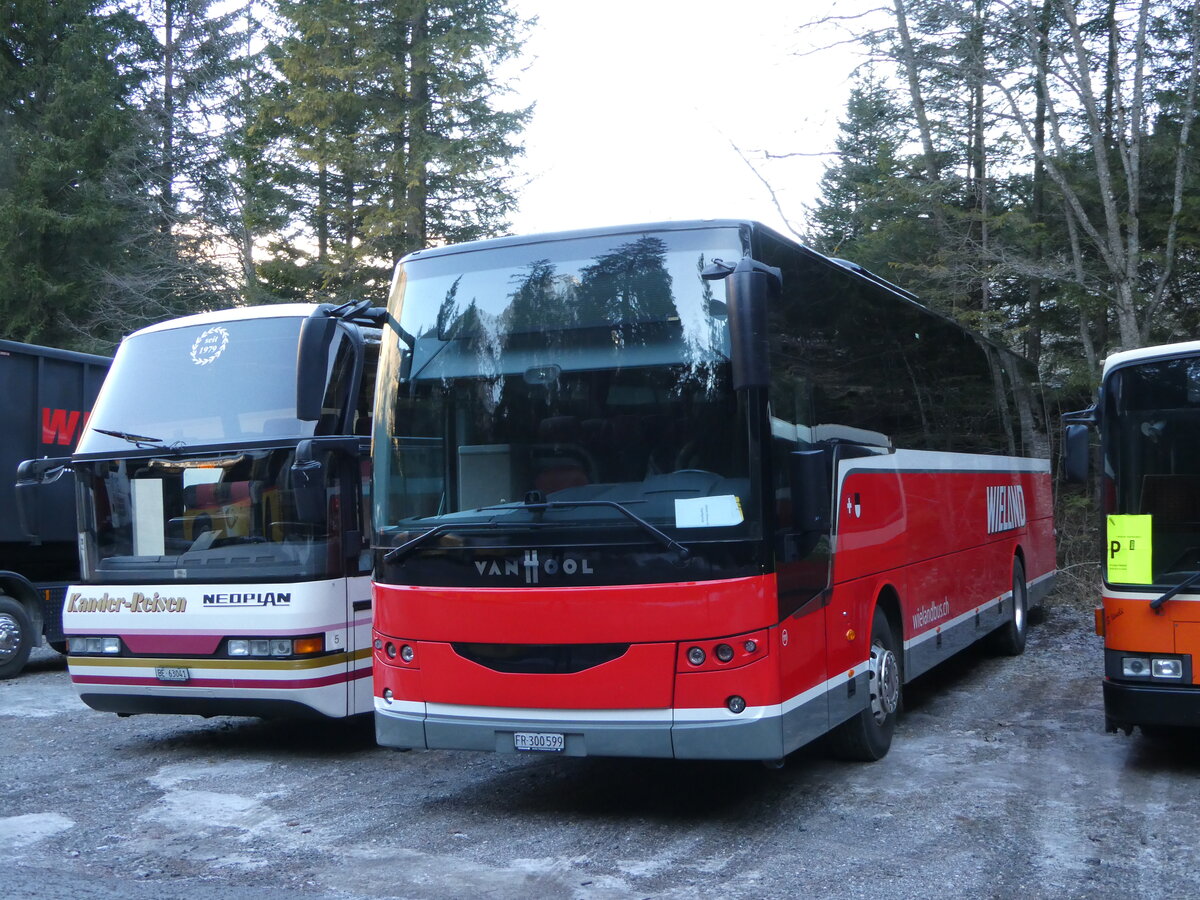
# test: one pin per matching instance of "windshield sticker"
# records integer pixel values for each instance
(1130, 549)
(708, 512)
(209, 345)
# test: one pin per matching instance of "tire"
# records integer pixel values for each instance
(16, 637)
(1009, 638)
(868, 736)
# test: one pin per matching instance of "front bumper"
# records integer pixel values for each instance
(662, 734)
(1126, 705)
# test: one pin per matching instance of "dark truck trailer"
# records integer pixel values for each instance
(45, 398)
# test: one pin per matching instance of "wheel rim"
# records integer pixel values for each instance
(884, 682)
(10, 637)
(1019, 605)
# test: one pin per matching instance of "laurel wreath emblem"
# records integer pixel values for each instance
(209, 345)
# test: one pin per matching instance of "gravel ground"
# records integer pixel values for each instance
(1001, 783)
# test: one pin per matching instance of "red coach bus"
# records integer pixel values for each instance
(687, 490)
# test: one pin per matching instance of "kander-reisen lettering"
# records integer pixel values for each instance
(138, 603)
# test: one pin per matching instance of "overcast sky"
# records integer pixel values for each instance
(638, 104)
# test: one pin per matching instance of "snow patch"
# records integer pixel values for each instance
(205, 810)
(169, 777)
(413, 874)
(27, 701)
(21, 831)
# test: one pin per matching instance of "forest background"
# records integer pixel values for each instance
(1029, 167)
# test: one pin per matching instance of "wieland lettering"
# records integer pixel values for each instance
(1005, 508)
(927, 615)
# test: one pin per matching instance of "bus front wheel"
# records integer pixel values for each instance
(16, 636)
(867, 737)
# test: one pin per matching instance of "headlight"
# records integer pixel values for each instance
(1135, 666)
(1167, 668)
(107, 645)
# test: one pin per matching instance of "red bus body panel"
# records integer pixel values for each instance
(907, 523)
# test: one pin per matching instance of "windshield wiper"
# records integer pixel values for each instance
(663, 538)
(1157, 603)
(408, 546)
(140, 440)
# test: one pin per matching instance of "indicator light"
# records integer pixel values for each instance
(724, 652)
(750, 646)
(387, 694)
(309, 645)
(407, 653)
(696, 656)
(736, 704)
(390, 649)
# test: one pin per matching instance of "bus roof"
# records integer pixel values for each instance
(517, 240)
(236, 314)
(642, 227)
(1146, 354)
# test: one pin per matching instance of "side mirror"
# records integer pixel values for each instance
(809, 478)
(747, 292)
(1075, 454)
(312, 363)
(308, 485)
(749, 287)
(33, 476)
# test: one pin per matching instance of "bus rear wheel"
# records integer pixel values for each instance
(16, 636)
(1009, 638)
(868, 736)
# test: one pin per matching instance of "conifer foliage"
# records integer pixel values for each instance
(159, 157)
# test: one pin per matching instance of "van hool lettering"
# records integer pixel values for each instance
(262, 598)
(138, 603)
(532, 567)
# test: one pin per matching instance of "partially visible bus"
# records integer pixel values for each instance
(623, 509)
(223, 565)
(46, 398)
(1148, 413)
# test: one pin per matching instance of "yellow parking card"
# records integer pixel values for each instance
(1130, 549)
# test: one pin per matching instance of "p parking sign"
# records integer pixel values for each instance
(1129, 556)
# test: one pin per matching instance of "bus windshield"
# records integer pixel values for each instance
(562, 385)
(1152, 420)
(209, 383)
(234, 517)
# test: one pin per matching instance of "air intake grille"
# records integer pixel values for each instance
(540, 659)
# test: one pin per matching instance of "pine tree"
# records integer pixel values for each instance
(859, 192)
(69, 153)
(389, 112)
